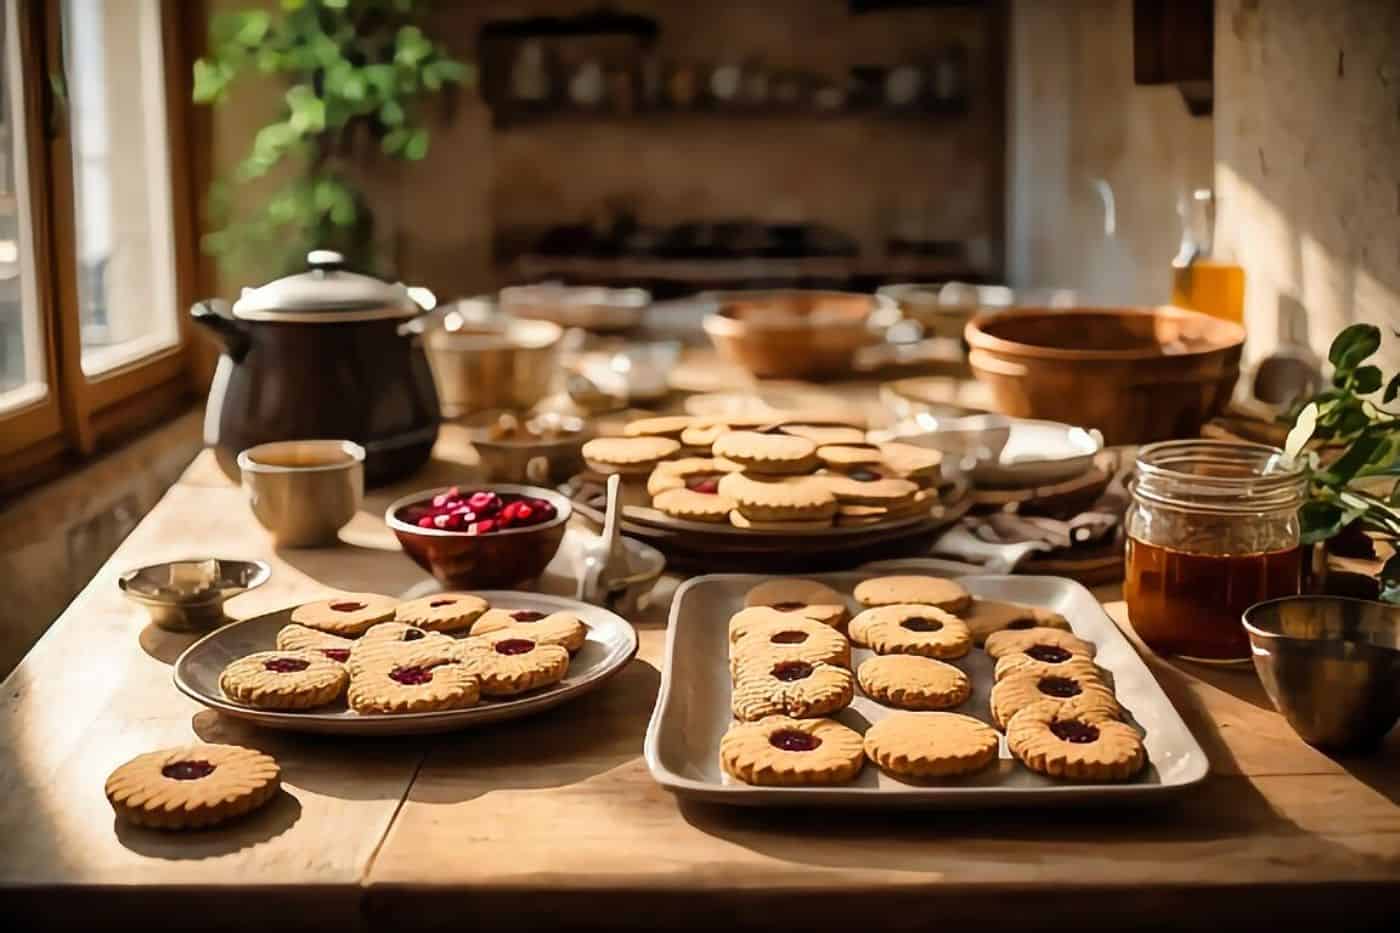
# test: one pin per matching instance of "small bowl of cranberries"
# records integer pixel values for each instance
(481, 538)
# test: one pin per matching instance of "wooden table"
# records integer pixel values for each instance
(554, 821)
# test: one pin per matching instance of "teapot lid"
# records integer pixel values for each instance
(326, 293)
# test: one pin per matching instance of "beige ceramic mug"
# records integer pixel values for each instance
(304, 492)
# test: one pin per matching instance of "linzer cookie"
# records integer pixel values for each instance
(671, 426)
(824, 435)
(912, 682)
(694, 505)
(856, 489)
(550, 628)
(192, 786)
(763, 631)
(348, 615)
(300, 638)
(701, 474)
(394, 632)
(778, 500)
(1087, 745)
(769, 686)
(986, 616)
(414, 677)
(910, 461)
(911, 629)
(923, 746)
(510, 662)
(1047, 661)
(947, 595)
(628, 455)
(767, 453)
(444, 612)
(1071, 694)
(804, 597)
(284, 679)
(780, 751)
(1009, 641)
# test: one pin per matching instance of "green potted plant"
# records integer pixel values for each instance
(359, 73)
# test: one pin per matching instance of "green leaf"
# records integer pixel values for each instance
(1302, 431)
(381, 78)
(391, 113)
(417, 145)
(1353, 345)
(410, 48)
(343, 213)
(210, 80)
(308, 110)
(1345, 467)
(453, 71)
(1391, 390)
(335, 4)
(432, 79)
(1390, 579)
(1366, 380)
(254, 28)
(394, 140)
(1321, 520)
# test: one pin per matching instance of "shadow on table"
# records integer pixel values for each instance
(269, 822)
(165, 646)
(1378, 769)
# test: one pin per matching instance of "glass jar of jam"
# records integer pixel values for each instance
(1212, 529)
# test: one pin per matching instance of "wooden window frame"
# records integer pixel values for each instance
(81, 415)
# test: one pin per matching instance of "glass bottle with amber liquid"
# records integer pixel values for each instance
(1202, 280)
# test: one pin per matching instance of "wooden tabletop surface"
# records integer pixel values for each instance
(554, 822)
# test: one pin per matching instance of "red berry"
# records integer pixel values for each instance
(524, 514)
(484, 501)
(484, 526)
(455, 523)
(425, 522)
(440, 521)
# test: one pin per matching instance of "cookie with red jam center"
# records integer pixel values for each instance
(781, 751)
(284, 679)
(510, 662)
(193, 786)
(550, 628)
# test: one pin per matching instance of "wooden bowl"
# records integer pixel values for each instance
(792, 333)
(1136, 374)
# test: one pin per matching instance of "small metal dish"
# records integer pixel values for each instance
(189, 595)
(545, 449)
(1331, 665)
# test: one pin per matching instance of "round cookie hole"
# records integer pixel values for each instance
(1050, 654)
(413, 634)
(439, 603)
(347, 606)
(188, 770)
(412, 676)
(707, 485)
(789, 671)
(527, 615)
(1061, 687)
(337, 654)
(514, 646)
(286, 665)
(1020, 625)
(1074, 731)
(787, 607)
(862, 475)
(788, 638)
(920, 624)
(794, 740)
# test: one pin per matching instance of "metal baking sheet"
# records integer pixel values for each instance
(692, 710)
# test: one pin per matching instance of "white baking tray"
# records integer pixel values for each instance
(692, 710)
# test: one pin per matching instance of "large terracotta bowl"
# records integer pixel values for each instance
(1136, 374)
(794, 333)
(496, 561)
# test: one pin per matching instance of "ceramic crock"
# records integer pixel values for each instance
(321, 354)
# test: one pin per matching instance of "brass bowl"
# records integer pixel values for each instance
(189, 595)
(502, 363)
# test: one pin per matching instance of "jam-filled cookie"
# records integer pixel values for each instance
(295, 637)
(1047, 661)
(777, 500)
(922, 746)
(700, 474)
(193, 786)
(442, 612)
(284, 680)
(412, 677)
(347, 615)
(824, 435)
(767, 453)
(510, 662)
(767, 632)
(911, 629)
(550, 628)
(1086, 745)
(945, 594)
(395, 632)
(1011, 641)
(628, 455)
(986, 616)
(780, 751)
(804, 597)
(1070, 693)
(672, 426)
(766, 685)
(909, 681)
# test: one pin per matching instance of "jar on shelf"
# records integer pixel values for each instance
(1212, 529)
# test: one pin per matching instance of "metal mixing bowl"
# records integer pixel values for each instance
(1331, 665)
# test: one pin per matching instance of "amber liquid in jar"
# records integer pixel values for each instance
(1190, 604)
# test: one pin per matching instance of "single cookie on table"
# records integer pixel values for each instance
(771, 686)
(778, 500)
(443, 612)
(922, 746)
(823, 435)
(554, 628)
(694, 505)
(947, 595)
(413, 677)
(767, 453)
(510, 662)
(192, 786)
(1018, 641)
(851, 489)
(348, 615)
(848, 456)
(911, 461)
(296, 637)
(789, 526)
(1087, 745)
(627, 455)
(1048, 661)
(804, 597)
(910, 681)
(672, 426)
(284, 679)
(911, 629)
(986, 616)
(703, 434)
(1069, 693)
(760, 631)
(699, 473)
(780, 751)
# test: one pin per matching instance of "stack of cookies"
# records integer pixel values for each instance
(791, 668)
(440, 652)
(785, 476)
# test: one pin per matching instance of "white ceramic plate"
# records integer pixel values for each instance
(611, 644)
(692, 710)
(1038, 453)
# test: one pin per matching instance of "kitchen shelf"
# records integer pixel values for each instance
(532, 267)
(926, 116)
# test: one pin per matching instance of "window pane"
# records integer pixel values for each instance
(121, 179)
(21, 338)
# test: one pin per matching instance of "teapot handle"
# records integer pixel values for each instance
(216, 315)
